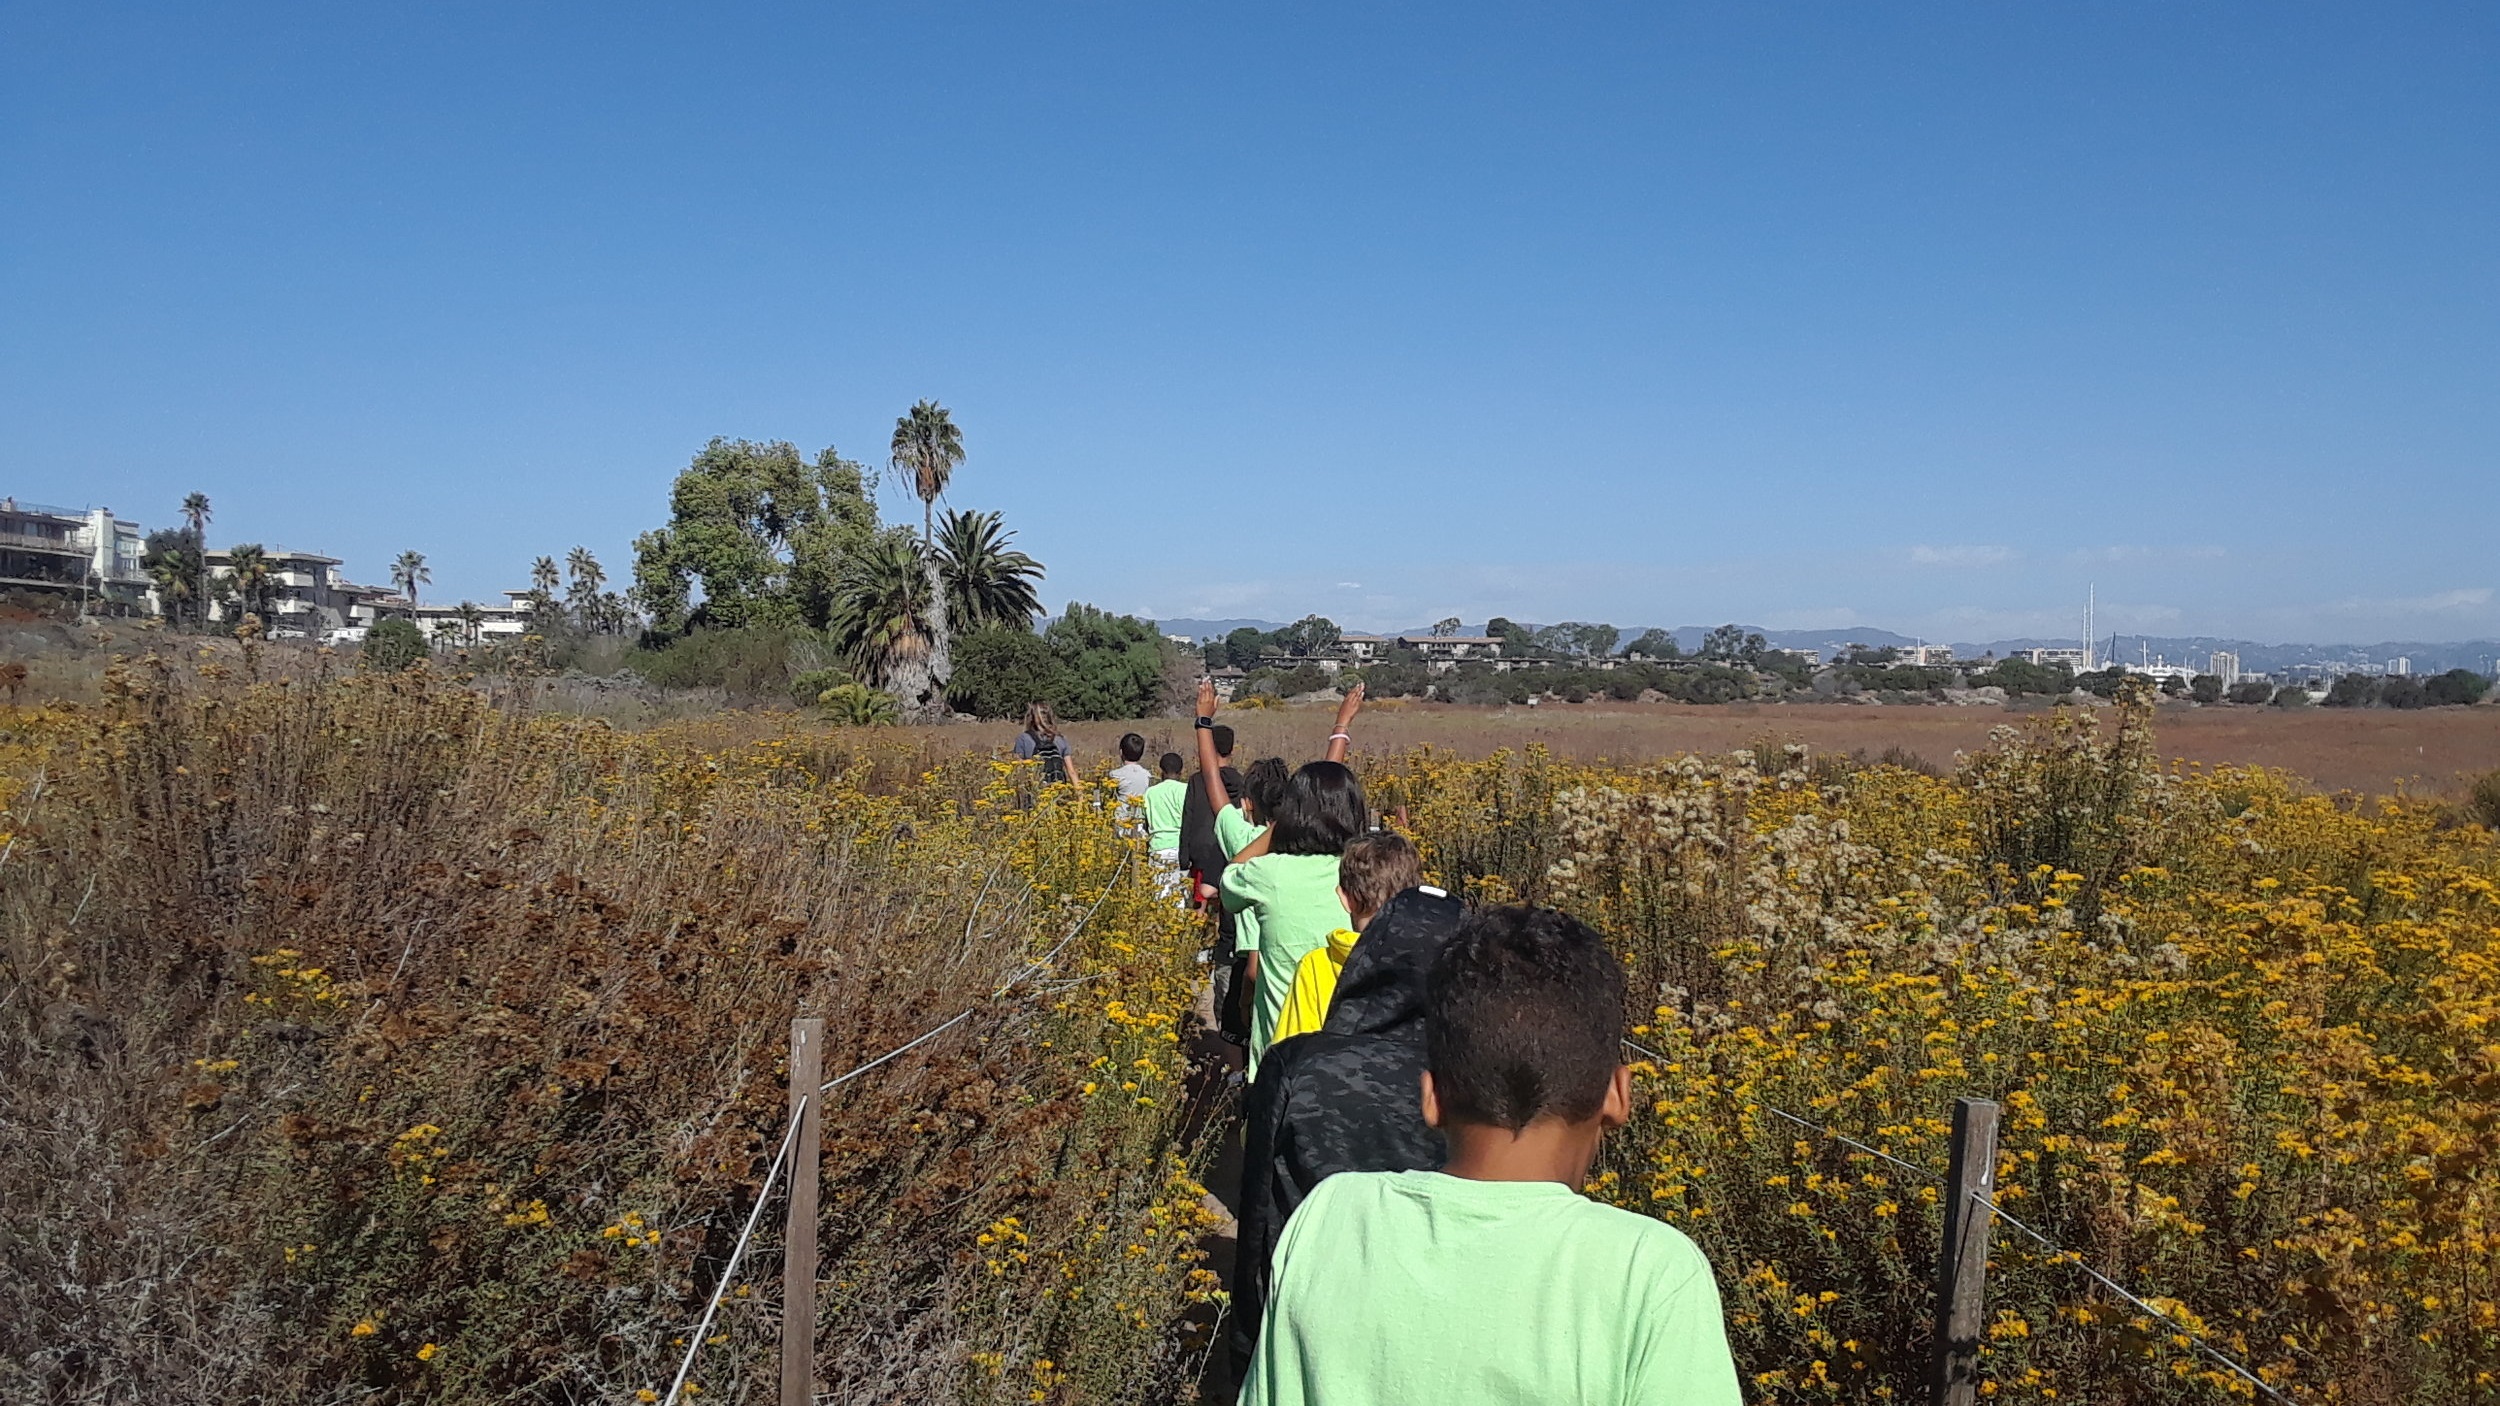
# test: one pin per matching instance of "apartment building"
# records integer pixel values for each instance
(84, 552)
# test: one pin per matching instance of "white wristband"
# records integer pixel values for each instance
(1339, 737)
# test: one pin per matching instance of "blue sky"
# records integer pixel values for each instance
(1918, 316)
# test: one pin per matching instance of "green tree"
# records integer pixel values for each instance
(472, 621)
(1730, 644)
(1243, 646)
(1515, 638)
(1654, 644)
(999, 669)
(757, 533)
(1577, 639)
(1443, 629)
(2206, 688)
(1115, 664)
(2353, 691)
(2454, 687)
(1312, 634)
(410, 572)
(882, 610)
(2250, 691)
(987, 581)
(176, 562)
(394, 644)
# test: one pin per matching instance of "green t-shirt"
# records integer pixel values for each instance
(1234, 830)
(1400, 1287)
(1292, 901)
(1163, 814)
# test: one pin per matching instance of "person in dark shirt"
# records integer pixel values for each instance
(1202, 855)
(1344, 1098)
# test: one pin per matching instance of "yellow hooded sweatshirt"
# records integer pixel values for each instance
(1314, 986)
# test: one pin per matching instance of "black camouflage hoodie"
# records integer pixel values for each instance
(1344, 1098)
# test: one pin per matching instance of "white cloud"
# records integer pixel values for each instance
(1960, 556)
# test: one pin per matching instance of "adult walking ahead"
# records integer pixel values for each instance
(1042, 740)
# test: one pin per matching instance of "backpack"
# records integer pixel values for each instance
(1053, 756)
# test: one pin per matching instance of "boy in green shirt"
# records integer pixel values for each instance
(1163, 813)
(1494, 1280)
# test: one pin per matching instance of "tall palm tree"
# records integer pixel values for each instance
(880, 616)
(584, 593)
(410, 572)
(543, 575)
(542, 596)
(472, 620)
(987, 582)
(195, 511)
(927, 449)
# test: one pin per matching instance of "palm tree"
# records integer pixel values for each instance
(175, 582)
(472, 620)
(409, 572)
(543, 575)
(584, 594)
(927, 449)
(195, 511)
(254, 579)
(987, 582)
(880, 617)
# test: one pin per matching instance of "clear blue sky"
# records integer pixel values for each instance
(1920, 316)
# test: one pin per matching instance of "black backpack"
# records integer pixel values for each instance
(1053, 756)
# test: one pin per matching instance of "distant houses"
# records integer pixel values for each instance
(92, 558)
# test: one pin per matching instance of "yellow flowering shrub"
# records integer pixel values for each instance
(2243, 1037)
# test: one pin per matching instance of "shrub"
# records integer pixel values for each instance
(2206, 688)
(752, 666)
(2353, 691)
(809, 688)
(999, 670)
(2250, 691)
(394, 644)
(858, 705)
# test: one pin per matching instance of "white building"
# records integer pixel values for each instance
(1924, 656)
(2400, 667)
(2225, 666)
(2075, 659)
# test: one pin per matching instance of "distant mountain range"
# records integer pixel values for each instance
(2424, 656)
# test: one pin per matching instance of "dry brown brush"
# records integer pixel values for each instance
(359, 1038)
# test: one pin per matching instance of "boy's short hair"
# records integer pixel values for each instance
(1523, 1016)
(1132, 747)
(1378, 867)
(1223, 740)
(1169, 764)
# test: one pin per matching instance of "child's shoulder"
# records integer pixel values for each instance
(1648, 1237)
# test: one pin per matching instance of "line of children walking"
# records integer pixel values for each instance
(1428, 1090)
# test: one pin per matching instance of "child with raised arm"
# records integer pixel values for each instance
(1494, 1279)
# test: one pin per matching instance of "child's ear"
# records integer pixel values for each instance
(1432, 1102)
(1617, 1109)
(1346, 903)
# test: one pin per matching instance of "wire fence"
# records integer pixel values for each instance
(798, 1112)
(2057, 1253)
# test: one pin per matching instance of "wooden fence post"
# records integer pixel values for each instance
(798, 1257)
(1962, 1258)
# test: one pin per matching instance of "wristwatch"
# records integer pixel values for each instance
(1206, 722)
